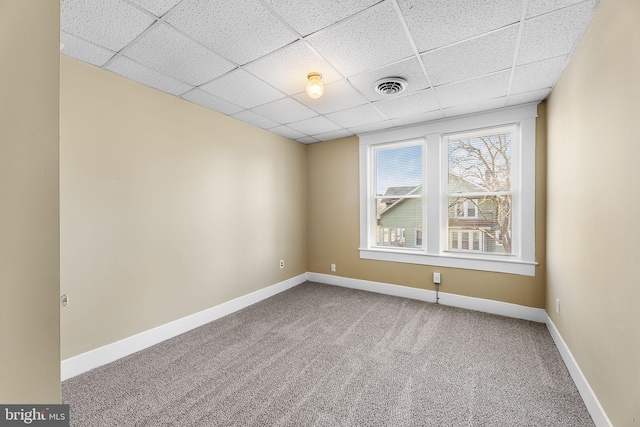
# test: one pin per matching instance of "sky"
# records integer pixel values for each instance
(398, 167)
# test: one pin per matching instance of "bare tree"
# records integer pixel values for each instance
(480, 170)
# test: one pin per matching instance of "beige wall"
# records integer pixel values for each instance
(593, 206)
(334, 232)
(166, 208)
(29, 250)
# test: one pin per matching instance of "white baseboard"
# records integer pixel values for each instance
(101, 356)
(588, 396)
(92, 359)
(470, 303)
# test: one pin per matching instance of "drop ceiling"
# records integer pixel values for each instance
(249, 59)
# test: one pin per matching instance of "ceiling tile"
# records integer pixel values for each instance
(409, 69)
(287, 68)
(539, 7)
(308, 140)
(366, 41)
(478, 89)
(475, 107)
(436, 23)
(337, 96)
(211, 102)
(371, 127)
(343, 133)
(555, 33)
(157, 7)
(526, 97)
(84, 51)
(254, 119)
(107, 23)
(311, 15)
(414, 103)
(241, 32)
(169, 52)
(314, 126)
(467, 51)
(134, 71)
(357, 116)
(472, 58)
(418, 118)
(285, 110)
(287, 132)
(243, 89)
(537, 75)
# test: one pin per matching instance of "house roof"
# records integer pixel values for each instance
(398, 191)
(409, 190)
(401, 191)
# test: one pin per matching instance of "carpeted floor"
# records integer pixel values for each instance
(320, 355)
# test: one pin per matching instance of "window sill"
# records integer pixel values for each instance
(493, 264)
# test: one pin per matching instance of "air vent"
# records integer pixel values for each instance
(390, 86)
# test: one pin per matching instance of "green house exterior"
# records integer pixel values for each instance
(472, 225)
(400, 224)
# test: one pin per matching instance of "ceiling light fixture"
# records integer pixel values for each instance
(315, 88)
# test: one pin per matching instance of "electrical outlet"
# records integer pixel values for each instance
(281, 263)
(557, 305)
(333, 267)
(436, 278)
(64, 300)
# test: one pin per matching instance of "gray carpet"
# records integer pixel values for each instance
(320, 355)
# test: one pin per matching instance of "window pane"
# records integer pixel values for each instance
(398, 196)
(399, 171)
(479, 174)
(491, 224)
(480, 164)
(399, 224)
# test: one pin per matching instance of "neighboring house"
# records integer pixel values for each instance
(472, 224)
(400, 219)
(477, 223)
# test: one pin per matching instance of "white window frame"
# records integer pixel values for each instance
(434, 225)
(514, 192)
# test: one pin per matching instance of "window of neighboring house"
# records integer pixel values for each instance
(454, 193)
(465, 208)
(466, 240)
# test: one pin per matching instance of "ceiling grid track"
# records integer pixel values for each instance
(523, 18)
(412, 42)
(249, 60)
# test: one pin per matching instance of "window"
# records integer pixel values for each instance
(454, 193)
(398, 194)
(464, 208)
(480, 189)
